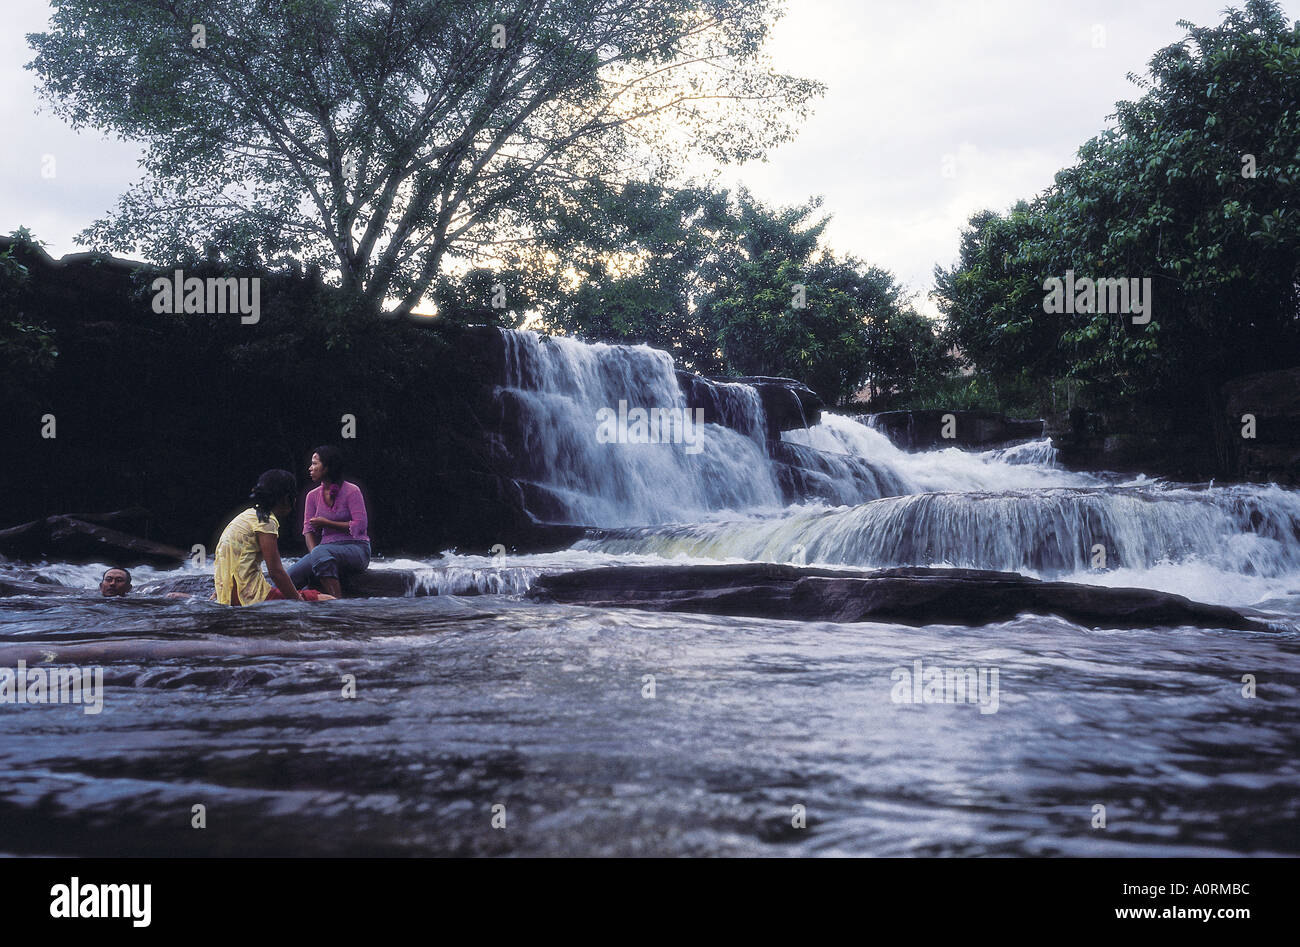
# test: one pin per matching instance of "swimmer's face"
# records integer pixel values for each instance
(115, 582)
(316, 470)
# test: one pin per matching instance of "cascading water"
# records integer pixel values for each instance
(560, 387)
(1024, 466)
(862, 501)
(556, 390)
(1248, 530)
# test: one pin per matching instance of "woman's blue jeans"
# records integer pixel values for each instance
(329, 561)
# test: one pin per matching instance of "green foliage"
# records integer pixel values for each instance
(482, 296)
(27, 348)
(1014, 397)
(715, 279)
(634, 257)
(379, 139)
(1161, 195)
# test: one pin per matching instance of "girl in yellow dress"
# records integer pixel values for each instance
(250, 539)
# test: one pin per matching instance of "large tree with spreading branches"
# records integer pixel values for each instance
(382, 139)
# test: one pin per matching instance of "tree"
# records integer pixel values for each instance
(637, 255)
(730, 286)
(1170, 194)
(27, 346)
(1194, 189)
(782, 305)
(992, 298)
(378, 138)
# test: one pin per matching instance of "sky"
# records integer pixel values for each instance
(934, 109)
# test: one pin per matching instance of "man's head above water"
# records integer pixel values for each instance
(115, 582)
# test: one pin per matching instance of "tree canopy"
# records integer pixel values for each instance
(379, 139)
(1194, 187)
(729, 285)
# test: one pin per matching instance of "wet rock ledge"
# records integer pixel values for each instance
(902, 596)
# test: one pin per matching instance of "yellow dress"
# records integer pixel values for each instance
(239, 559)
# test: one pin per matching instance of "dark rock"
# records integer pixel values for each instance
(787, 404)
(11, 585)
(921, 430)
(382, 583)
(1271, 464)
(1273, 399)
(73, 539)
(1265, 395)
(23, 541)
(134, 520)
(904, 596)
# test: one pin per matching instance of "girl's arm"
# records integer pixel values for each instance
(333, 524)
(357, 509)
(309, 530)
(270, 547)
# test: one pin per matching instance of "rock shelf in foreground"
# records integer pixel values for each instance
(903, 596)
(908, 596)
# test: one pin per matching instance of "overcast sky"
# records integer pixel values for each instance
(933, 110)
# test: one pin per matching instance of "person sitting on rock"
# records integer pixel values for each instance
(334, 525)
(250, 539)
(115, 582)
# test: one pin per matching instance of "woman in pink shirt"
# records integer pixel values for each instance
(334, 525)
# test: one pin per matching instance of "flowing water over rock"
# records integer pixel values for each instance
(558, 389)
(612, 731)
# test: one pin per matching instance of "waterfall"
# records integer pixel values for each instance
(1024, 466)
(840, 493)
(1245, 530)
(556, 388)
(557, 391)
(1040, 453)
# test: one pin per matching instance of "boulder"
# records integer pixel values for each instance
(922, 430)
(75, 538)
(787, 404)
(13, 585)
(910, 596)
(23, 541)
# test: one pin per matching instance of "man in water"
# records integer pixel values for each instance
(115, 582)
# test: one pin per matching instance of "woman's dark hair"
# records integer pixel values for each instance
(331, 459)
(273, 487)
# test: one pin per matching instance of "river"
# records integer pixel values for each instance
(476, 721)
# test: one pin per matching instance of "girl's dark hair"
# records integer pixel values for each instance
(331, 459)
(272, 487)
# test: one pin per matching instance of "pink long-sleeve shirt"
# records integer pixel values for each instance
(349, 507)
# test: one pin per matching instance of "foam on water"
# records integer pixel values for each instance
(1024, 466)
(560, 385)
